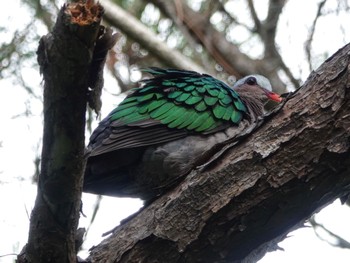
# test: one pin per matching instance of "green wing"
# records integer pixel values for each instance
(171, 105)
(181, 100)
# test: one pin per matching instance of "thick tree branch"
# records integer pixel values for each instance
(240, 205)
(68, 60)
(124, 21)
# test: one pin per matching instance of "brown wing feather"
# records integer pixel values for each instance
(115, 136)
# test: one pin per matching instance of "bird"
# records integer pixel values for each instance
(166, 127)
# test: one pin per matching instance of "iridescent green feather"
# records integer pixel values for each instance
(178, 111)
(162, 110)
(190, 116)
(182, 100)
(199, 121)
(210, 101)
(184, 96)
(193, 100)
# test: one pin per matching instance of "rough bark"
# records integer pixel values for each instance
(67, 58)
(240, 205)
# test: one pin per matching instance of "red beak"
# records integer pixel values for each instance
(274, 96)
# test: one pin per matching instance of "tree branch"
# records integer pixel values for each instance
(268, 31)
(233, 18)
(257, 22)
(308, 42)
(339, 241)
(226, 54)
(124, 21)
(67, 60)
(239, 206)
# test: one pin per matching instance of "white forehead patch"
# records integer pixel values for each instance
(260, 80)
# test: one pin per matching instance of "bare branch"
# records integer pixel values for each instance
(270, 26)
(309, 40)
(257, 23)
(272, 58)
(339, 241)
(176, 13)
(233, 18)
(42, 12)
(227, 55)
(119, 18)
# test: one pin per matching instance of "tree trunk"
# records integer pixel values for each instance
(242, 203)
(67, 59)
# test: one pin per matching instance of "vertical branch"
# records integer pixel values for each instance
(257, 22)
(66, 57)
(308, 42)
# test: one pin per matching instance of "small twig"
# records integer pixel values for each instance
(94, 213)
(339, 241)
(6, 255)
(257, 22)
(308, 42)
(233, 18)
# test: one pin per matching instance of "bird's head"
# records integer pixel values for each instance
(256, 86)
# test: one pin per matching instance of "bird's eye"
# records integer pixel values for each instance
(251, 81)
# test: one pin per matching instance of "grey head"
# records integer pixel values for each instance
(259, 80)
(255, 91)
(256, 87)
